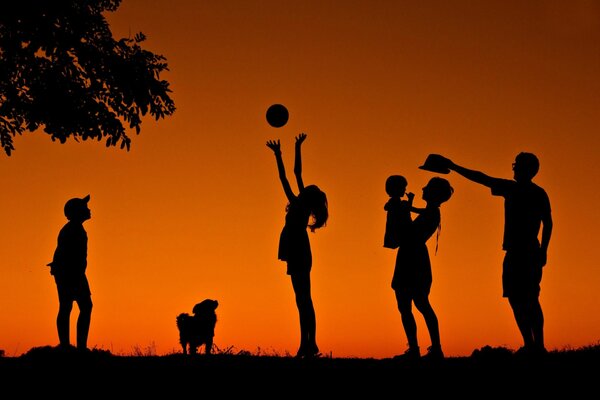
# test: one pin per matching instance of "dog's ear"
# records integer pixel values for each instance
(197, 308)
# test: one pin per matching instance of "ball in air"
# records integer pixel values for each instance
(277, 115)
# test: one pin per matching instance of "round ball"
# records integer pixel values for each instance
(277, 115)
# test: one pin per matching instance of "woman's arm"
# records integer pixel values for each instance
(276, 147)
(298, 160)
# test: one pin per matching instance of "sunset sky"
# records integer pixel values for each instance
(195, 208)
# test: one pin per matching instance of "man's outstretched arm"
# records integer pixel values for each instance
(470, 174)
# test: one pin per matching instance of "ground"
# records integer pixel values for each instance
(488, 371)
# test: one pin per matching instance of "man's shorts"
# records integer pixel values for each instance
(522, 273)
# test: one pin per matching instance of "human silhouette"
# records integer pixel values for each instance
(307, 210)
(397, 210)
(412, 277)
(526, 211)
(68, 267)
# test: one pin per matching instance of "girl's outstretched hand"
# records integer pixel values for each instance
(300, 138)
(274, 145)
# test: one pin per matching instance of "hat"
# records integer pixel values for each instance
(436, 163)
(74, 205)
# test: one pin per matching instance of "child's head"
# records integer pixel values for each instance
(76, 209)
(395, 185)
(437, 190)
(316, 201)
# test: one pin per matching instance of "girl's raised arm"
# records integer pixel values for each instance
(298, 160)
(276, 147)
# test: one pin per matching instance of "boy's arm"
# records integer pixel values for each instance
(546, 234)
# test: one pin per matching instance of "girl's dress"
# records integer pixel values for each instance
(294, 245)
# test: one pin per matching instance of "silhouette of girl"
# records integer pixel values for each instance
(308, 209)
(412, 273)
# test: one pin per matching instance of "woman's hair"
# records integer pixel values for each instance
(440, 189)
(316, 201)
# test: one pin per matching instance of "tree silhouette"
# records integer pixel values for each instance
(62, 71)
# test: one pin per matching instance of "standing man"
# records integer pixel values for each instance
(526, 211)
(68, 268)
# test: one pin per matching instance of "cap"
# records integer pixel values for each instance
(74, 205)
(436, 163)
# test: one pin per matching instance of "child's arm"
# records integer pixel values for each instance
(387, 205)
(411, 197)
(298, 160)
(276, 147)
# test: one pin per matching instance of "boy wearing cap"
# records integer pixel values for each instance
(68, 268)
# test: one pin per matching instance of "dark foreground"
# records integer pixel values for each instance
(488, 372)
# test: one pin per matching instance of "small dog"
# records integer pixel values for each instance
(198, 329)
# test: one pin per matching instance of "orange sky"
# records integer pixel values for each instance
(194, 210)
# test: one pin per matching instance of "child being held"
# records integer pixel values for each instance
(398, 210)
